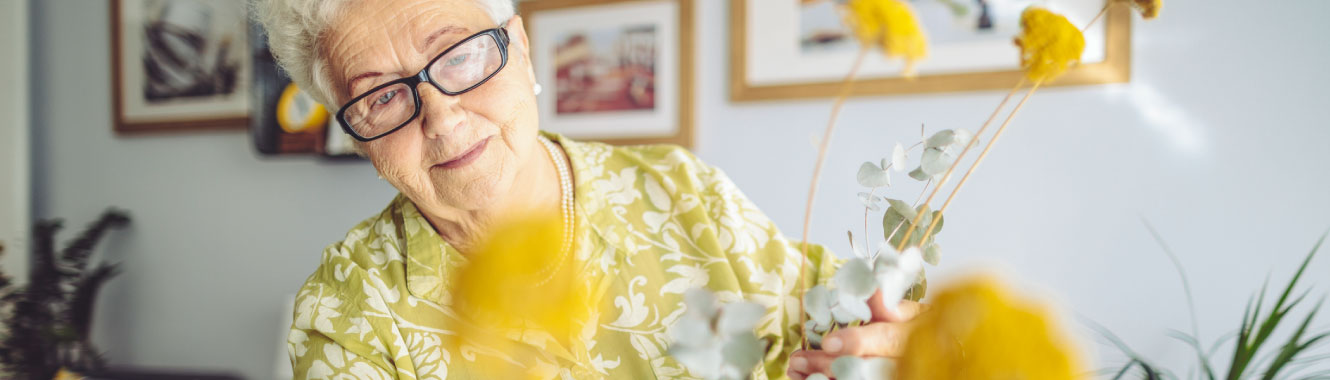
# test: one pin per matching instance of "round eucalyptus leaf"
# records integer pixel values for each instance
(870, 175)
(701, 303)
(741, 354)
(814, 336)
(896, 274)
(936, 161)
(848, 368)
(902, 208)
(702, 362)
(739, 318)
(855, 278)
(850, 309)
(932, 253)
(855, 368)
(962, 137)
(898, 158)
(691, 332)
(869, 200)
(817, 302)
(941, 139)
(919, 175)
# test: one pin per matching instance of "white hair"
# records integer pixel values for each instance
(295, 28)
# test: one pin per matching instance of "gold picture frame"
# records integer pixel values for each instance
(1114, 68)
(549, 23)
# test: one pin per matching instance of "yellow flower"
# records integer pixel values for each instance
(518, 285)
(1049, 44)
(977, 330)
(891, 24)
(1149, 8)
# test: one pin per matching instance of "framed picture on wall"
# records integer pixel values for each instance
(802, 48)
(179, 65)
(618, 71)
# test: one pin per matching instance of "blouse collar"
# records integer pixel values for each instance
(428, 256)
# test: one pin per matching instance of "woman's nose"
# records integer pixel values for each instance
(441, 114)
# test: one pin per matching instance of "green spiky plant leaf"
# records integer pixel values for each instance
(1251, 336)
(1254, 331)
(48, 323)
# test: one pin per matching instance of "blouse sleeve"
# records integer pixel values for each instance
(328, 335)
(765, 263)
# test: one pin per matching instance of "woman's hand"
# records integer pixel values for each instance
(884, 336)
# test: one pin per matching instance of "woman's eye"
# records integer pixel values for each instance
(385, 98)
(454, 61)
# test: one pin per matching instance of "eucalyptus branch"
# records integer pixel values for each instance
(947, 175)
(846, 88)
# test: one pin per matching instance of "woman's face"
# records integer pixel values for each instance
(462, 152)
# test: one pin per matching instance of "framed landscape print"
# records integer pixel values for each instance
(179, 65)
(618, 71)
(787, 49)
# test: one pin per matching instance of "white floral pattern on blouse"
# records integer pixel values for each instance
(653, 222)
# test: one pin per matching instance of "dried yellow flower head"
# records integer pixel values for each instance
(892, 25)
(518, 286)
(1049, 44)
(977, 330)
(1149, 8)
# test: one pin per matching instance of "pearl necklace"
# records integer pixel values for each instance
(565, 205)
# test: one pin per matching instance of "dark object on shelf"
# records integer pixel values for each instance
(145, 374)
(48, 321)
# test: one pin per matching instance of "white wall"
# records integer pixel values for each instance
(14, 141)
(1219, 141)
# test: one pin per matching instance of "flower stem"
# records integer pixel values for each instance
(1098, 16)
(979, 160)
(947, 175)
(990, 144)
(871, 194)
(846, 87)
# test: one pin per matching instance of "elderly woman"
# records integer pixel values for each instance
(440, 95)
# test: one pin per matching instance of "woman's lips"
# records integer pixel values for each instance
(466, 158)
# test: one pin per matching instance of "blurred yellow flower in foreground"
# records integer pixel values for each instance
(1149, 8)
(891, 24)
(977, 330)
(519, 287)
(1049, 44)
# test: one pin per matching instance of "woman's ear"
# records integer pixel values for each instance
(517, 34)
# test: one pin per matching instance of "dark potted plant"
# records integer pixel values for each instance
(47, 323)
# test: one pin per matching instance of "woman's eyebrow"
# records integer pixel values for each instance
(446, 30)
(351, 84)
(429, 41)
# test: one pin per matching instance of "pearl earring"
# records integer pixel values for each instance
(537, 88)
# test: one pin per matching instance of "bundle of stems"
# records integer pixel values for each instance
(847, 87)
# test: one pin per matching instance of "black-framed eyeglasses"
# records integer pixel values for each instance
(461, 68)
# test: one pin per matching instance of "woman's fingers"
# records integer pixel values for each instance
(906, 310)
(873, 339)
(804, 363)
(884, 336)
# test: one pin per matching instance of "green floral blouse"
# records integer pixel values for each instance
(653, 221)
